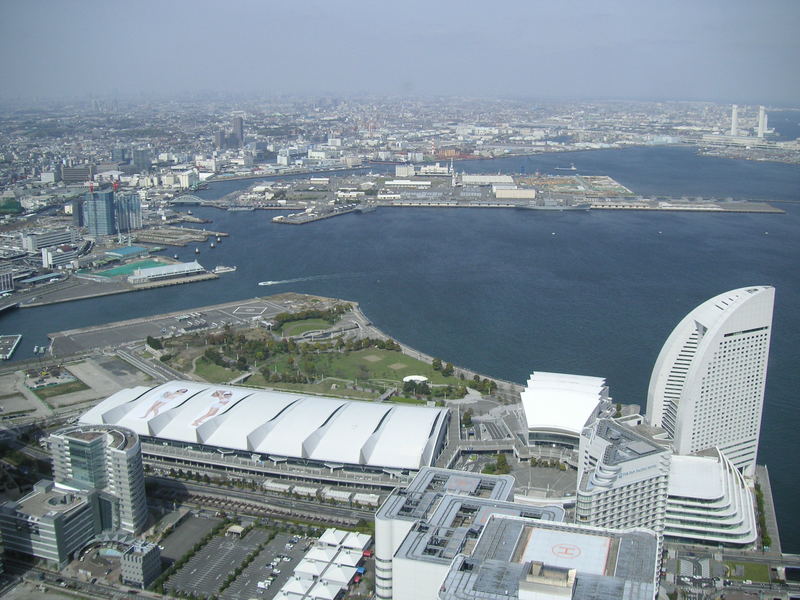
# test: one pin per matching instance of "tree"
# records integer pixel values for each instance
(154, 343)
(502, 464)
(466, 418)
(448, 370)
(437, 364)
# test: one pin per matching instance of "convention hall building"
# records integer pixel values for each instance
(283, 435)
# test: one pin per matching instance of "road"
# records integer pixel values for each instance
(263, 499)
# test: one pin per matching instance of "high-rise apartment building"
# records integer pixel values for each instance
(238, 130)
(99, 213)
(109, 460)
(707, 386)
(734, 120)
(762, 121)
(128, 212)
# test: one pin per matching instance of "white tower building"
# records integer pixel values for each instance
(762, 121)
(735, 120)
(707, 386)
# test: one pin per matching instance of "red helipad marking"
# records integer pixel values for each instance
(566, 551)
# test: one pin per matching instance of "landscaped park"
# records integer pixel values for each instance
(365, 368)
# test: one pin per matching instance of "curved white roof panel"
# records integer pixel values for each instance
(282, 424)
(561, 402)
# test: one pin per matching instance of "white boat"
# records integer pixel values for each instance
(224, 269)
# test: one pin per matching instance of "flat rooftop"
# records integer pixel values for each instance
(456, 523)
(431, 484)
(41, 503)
(518, 557)
(626, 444)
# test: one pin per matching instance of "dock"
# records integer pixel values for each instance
(8, 344)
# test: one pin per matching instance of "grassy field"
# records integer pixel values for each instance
(214, 373)
(60, 389)
(372, 364)
(130, 268)
(325, 388)
(293, 328)
(744, 570)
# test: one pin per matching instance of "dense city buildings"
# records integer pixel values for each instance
(707, 386)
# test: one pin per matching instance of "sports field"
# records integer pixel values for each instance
(130, 268)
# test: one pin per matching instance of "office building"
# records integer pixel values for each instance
(622, 478)
(99, 214)
(140, 564)
(421, 529)
(34, 241)
(60, 256)
(734, 121)
(558, 406)
(707, 386)
(78, 174)
(106, 459)
(50, 523)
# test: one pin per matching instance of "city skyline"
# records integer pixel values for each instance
(727, 52)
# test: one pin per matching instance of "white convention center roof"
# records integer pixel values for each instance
(281, 424)
(561, 402)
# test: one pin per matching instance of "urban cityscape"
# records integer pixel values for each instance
(515, 344)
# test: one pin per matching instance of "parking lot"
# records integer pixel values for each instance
(274, 564)
(185, 536)
(206, 571)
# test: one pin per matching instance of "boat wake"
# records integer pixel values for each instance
(298, 279)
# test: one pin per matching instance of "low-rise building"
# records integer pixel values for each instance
(140, 564)
(517, 558)
(421, 529)
(50, 523)
(558, 406)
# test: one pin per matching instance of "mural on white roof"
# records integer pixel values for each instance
(221, 401)
(169, 399)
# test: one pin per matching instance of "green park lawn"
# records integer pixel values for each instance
(214, 373)
(751, 571)
(373, 364)
(293, 328)
(60, 389)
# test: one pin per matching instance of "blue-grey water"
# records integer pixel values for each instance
(507, 292)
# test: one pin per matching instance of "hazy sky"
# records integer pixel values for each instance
(725, 50)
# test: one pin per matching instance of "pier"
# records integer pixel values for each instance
(8, 344)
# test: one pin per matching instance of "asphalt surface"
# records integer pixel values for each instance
(207, 570)
(186, 535)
